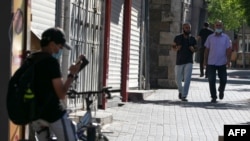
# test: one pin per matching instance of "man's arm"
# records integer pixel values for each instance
(176, 45)
(198, 38)
(228, 53)
(206, 56)
(193, 47)
(62, 88)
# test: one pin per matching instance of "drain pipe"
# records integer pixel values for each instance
(126, 49)
(106, 48)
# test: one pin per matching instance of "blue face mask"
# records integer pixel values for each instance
(58, 54)
(218, 30)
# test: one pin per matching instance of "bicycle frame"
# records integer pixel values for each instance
(86, 129)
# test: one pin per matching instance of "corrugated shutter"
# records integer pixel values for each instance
(116, 28)
(43, 14)
(116, 34)
(135, 44)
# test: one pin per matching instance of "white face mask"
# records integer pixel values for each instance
(218, 30)
(58, 54)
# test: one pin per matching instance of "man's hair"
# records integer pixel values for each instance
(52, 34)
(206, 24)
(186, 23)
(219, 21)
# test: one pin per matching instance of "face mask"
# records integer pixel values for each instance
(58, 54)
(218, 30)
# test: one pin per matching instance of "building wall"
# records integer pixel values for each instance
(165, 23)
(166, 19)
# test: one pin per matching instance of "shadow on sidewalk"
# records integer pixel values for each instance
(229, 81)
(246, 123)
(237, 105)
(240, 74)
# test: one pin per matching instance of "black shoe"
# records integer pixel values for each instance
(201, 75)
(213, 100)
(179, 95)
(221, 95)
(184, 99)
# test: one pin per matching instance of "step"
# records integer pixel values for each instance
(139, 95)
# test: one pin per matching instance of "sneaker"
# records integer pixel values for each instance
(221, 95)
(184, 99)
(179, 95)
(213, 100)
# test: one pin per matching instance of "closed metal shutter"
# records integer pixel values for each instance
(116, 35)
(115, 52)
(43, 15)
(135, 44)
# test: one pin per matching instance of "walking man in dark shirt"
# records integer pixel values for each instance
(185, 46)
(203, 34)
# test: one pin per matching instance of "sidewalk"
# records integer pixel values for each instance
(163, 117)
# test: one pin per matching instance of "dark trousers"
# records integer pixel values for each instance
(222, 74)
(202, 51)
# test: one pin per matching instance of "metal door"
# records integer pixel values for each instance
(85, 36)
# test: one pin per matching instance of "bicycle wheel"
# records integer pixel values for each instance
(91, 133)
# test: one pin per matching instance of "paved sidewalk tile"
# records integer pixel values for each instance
(163, 117)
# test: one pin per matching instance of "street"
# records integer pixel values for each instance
(163, 117)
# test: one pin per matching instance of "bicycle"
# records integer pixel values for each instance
(87, 130)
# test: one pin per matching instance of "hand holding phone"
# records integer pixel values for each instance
(83, 61)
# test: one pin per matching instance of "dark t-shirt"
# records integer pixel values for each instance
(45, 71)
(204, 33)
(184, 55)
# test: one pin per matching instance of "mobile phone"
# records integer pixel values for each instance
(84, 62)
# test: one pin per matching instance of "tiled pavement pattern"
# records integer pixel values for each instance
(163, 117)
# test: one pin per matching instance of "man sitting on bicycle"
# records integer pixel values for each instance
(51, 89)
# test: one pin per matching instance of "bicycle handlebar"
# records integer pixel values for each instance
(106, 90)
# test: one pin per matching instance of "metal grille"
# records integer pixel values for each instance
(85, 36)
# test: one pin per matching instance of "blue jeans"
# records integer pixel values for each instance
(222, 74)
(183, 72)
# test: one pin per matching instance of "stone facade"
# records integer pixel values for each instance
(165, 19)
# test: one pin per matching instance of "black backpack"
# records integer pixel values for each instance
(21, 100)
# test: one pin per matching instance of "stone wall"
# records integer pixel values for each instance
(166, 18)
(165, 23)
